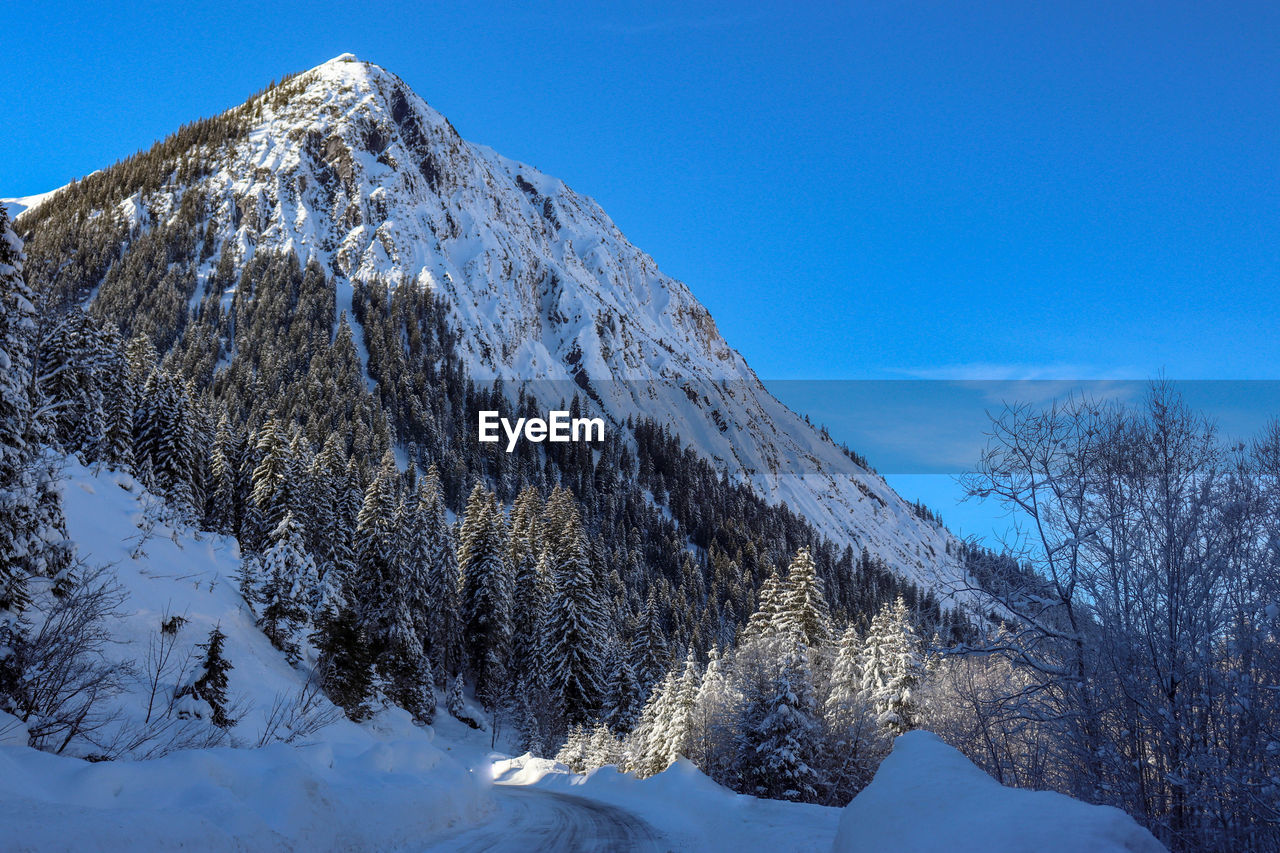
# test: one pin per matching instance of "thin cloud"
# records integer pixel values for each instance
(982, 371)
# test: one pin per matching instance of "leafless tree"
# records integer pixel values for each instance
(67, 679)
(1145, 636)
(297, 715)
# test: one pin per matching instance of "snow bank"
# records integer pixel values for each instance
(389, 795)
(382, 785)
(928, 797)
(688, 808)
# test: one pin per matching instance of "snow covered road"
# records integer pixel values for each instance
(532, 819)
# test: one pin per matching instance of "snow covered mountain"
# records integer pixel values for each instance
(18, 206)
(344, 164)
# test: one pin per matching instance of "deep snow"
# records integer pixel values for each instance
(390, 785)
(692, 811)
(18, 206)
(382, 785)
(926, 797)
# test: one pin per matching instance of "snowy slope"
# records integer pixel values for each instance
(345, 164)
(926, 796)
(18, 206)
(382, 785)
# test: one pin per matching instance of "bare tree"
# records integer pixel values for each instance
(297, 715)
(66, 677)
(1145, 634)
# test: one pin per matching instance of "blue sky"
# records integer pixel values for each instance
(868, 190)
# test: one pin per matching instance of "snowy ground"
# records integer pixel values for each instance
(390, 785)
(534, 819)
(926, 797)
(388, 796)
(383, 785)
(551, 808)
(689, 810)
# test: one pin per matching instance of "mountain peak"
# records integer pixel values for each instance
(346, 166)
(347, 67)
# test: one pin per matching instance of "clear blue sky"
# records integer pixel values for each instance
(890, 189)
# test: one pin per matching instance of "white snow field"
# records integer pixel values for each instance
(689, 810)
(376, 796)
(390, 785)
(17, 206)
(384, 785)
(926, 796)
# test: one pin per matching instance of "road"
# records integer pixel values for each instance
(529, 819)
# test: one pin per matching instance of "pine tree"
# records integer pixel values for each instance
(576, 630)
(415, 564)
(378, 553)
(71, 362)
(574, 752)
(329, 597)
(269, 482)
(433, 545)
(165, 438)
(802, 610)
(222, 508)
(779, 736)
(142, 358)
(288, 572)
(530, 729)
(32, 530)
(407, 668)
(486, 595)
(673, 733)
(211, 685)
(649, 755)
(855, 742)
(530, 587)
(602, 748)
(456, 704)
(346, 662)
(764, 621)
(711, 744)
(891, 667)
(332, 530)
(649, 648)
(622, 705)
(121, 406)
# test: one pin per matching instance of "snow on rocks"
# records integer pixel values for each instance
(926, 797)
(346, 165)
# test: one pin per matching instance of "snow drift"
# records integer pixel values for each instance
(382, 785)
(691, 810)
(382, 796)
(926, 796)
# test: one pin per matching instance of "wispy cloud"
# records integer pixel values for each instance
(986, 371)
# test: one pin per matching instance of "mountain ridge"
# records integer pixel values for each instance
(344, 164)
